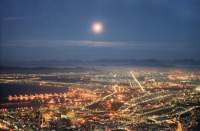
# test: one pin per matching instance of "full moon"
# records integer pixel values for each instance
(97, 27)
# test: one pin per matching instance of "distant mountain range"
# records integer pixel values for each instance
(102, 62)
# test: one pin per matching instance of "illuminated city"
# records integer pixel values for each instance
(104, 99)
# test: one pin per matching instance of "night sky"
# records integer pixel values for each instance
(132, 29)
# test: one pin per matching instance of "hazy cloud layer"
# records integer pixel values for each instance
(61, 43)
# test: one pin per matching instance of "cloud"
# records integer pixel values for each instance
(13, 18)
(92, 43)
(61, 43)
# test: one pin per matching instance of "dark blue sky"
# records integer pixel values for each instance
(133, 29)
